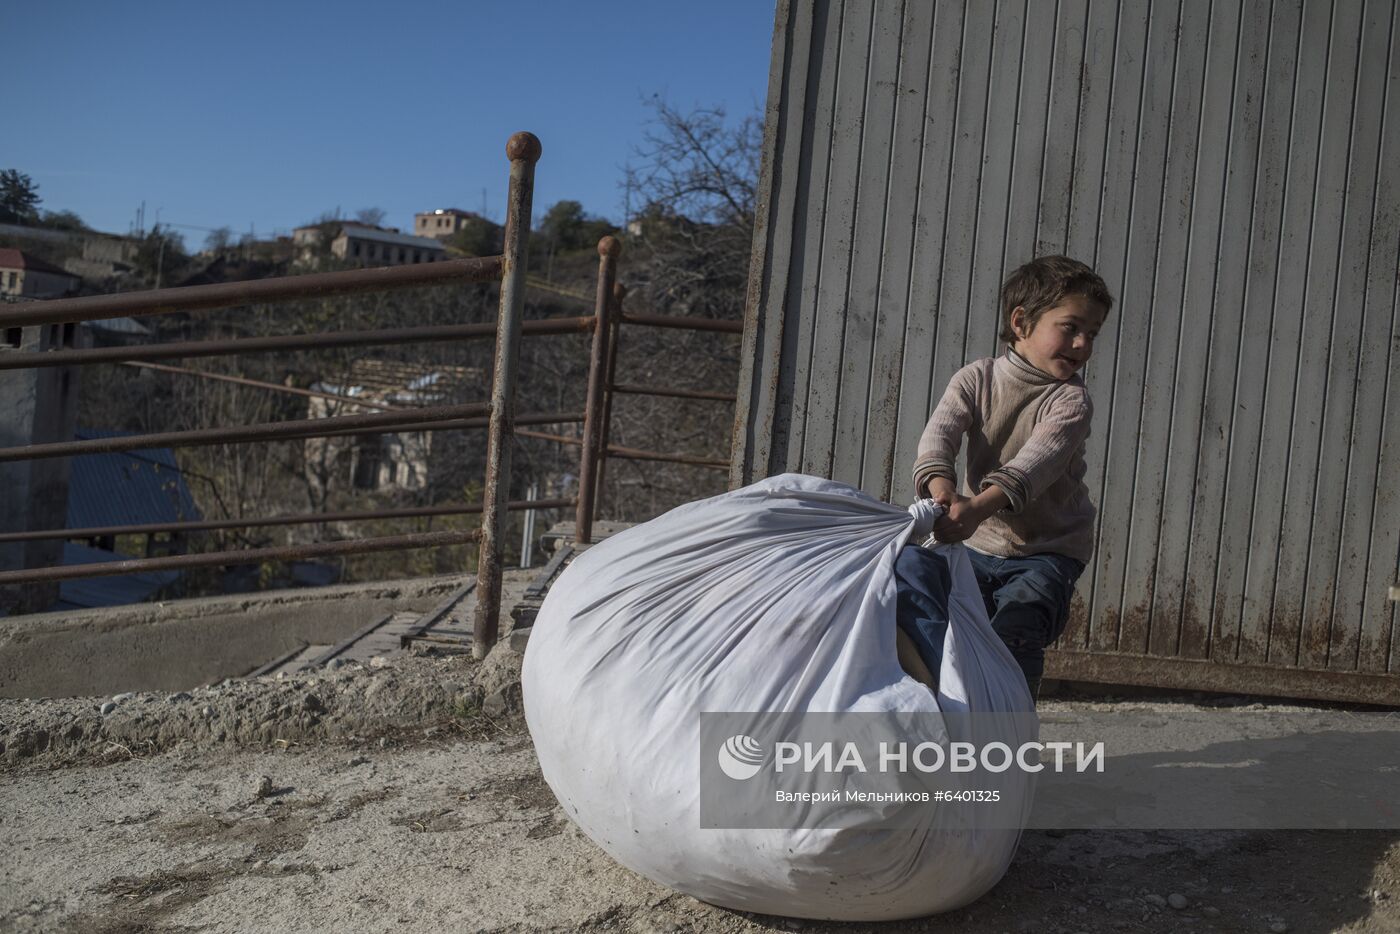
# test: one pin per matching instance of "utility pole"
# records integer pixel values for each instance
(527, 544)
(160, 256)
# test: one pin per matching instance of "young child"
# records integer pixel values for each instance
(1028, 522)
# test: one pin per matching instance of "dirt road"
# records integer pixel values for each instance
(391, 803)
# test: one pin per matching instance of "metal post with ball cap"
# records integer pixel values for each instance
(523, 150)
(609, 248)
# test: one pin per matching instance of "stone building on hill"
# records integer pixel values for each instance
(392, 460)
(442, 223)
(27, 276)
(365, 245)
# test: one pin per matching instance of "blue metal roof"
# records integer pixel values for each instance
(126, 488)
(117, 590)
(129, 326)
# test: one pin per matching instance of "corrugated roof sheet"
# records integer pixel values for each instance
(384, 236)
(117, 590)
(126, 488)
(402, 381)
(118, 326)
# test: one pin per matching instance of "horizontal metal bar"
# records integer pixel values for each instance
(545, 436)
(633, 389)
(685, 322)
(545, 418)
(260, 384)
(249, 556)
(629, 453)
(269, 431)
(306, 518)
(535, 282)
(324, 340)
(635, 454)
(229, 294)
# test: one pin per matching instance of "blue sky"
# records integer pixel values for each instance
(268, 114)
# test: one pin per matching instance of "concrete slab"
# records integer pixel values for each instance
(180, 644)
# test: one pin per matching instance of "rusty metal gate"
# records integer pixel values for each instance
(1233, 171)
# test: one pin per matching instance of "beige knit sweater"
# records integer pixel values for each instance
(1026, 432)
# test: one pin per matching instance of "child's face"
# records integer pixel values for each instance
(1062, 338)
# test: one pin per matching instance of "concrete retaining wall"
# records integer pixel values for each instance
(181, 644)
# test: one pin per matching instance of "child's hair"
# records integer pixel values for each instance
(1042, 283)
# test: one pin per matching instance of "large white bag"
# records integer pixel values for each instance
(776, 597)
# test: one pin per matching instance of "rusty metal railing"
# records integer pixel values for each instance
(497, 415)
(304, 518)
(603, 385)
(255, 345)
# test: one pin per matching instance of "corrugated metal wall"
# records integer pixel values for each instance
(1233, 171)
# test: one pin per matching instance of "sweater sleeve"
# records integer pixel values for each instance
(1047, 452)
(942, 438)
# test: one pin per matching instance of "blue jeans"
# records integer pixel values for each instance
(923, 580)
(1028, 601)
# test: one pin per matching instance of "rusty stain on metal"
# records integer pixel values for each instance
(289, 342)
(1195, 627)
(1133, 629)
(230, 294)
(685, 322)
(1104, 631)
(247, 556)
(1225, 636)
(523, 150)
(268, 431)
(307, 518)
(609, 248)
(1076, 627)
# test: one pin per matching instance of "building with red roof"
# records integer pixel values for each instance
(23, 274)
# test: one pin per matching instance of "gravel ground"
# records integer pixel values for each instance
(385, 799)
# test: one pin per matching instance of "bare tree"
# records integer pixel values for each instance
(698, 165)
(371, 216)
(694, 175)
(219, 240)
